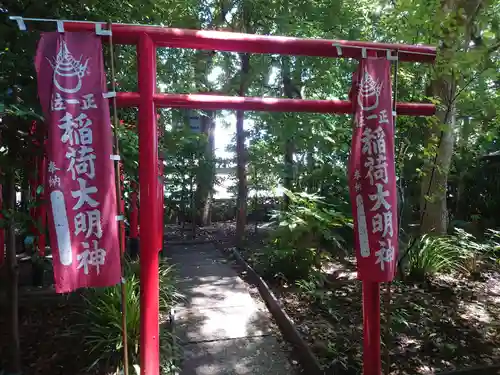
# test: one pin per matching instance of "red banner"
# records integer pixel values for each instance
(372, 176)
(81, 184)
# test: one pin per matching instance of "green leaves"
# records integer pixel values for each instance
(304, 235)
(460, 252)
(102, 331)
(432, 255)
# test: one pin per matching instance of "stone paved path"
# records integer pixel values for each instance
(222, 329)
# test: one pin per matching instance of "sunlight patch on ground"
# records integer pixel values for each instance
(409, 342)
(493, 286)
(475, 311)
(339, 270)
(425, 370)
(447, 278)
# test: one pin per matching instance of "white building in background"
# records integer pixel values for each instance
(224, 135)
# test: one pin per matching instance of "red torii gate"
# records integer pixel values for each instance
(147, 38)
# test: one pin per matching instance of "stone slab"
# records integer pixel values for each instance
(224, 331)
(204, 272)
(181, 261)
(221, 323)
(214, 292)
(192, 249)
(248, 356)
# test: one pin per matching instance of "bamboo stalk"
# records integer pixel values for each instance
(388, 295)
(118, 204)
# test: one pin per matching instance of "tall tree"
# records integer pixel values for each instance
(291, 91)
(241, 151)
(241, 156)
(204, 61)
(459, 36)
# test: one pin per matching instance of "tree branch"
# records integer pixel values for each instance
(494, 48)
(467, 85)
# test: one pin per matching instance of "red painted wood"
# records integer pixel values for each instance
(214, 102)
(251, 43)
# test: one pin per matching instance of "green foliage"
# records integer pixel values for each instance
(473, 252)
(310, 221)
(313, 289)
(185, 150)
(288, 263)
(467, 67)
(494, 241)
(101, 331)
(129, 150)
(321, 141)
(460, 252)
(432, 255)
(304, 236)
(169, 295)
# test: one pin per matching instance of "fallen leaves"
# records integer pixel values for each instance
(450, 322)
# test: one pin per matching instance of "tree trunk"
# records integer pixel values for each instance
(256, 206)
(460, 211)
(288, 179)
(192, 207)
(185, 197)
(292, 92)
(206, 176)
(435, 181)
(311, 183)
(13, 277)
(203, 65)
(433, 207)
(241, 156)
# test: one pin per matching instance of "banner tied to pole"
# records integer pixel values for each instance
(81, 182)
(372, 176)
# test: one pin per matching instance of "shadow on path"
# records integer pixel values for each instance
(222, 329)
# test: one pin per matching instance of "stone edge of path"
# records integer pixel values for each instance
(307, 359)
(490, 370)
(200, 241)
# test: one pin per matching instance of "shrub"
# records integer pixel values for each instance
(101, 331)
(308, 228)
(169, 295)
(494, 242)
(310, 222)
(431, 255)
(287, 263)
(460, 252)
(473, 252)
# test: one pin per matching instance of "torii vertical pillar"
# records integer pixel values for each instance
(148, 179)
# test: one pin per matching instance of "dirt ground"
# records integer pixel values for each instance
(447, 323)
(46, 348)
